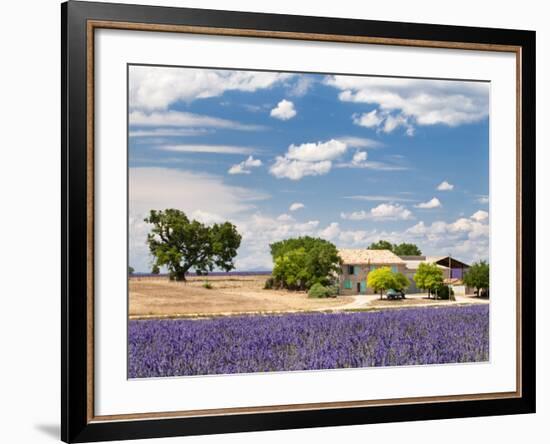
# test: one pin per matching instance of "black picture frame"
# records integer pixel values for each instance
(76, 423)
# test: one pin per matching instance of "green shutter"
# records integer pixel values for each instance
(347, 284)
(394, 268)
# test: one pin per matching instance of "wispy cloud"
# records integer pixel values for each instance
(360, 142)
(379, 198)
(167, 132)
(482, 199)
(211, 149)
(184, 119)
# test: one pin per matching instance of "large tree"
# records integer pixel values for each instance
(298, 263)
(477, 276)
(381, 245)
(405, 249)
(181, 244)
(429, 277)
(402, 249)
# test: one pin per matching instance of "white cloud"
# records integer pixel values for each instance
(206, 218)
(359, 142)
(167, 132)
(285, 218)
(379, 198)
(371, 119)
(480, 216)
(483, 199)
(245, 166)
(315, 152)
(296, 206)
(445, 186)
(301, 86)
(284, 110)
(156, 88)
(184, 119)
(331, 231)
(160, 188)
(209, 149)
(308, 159)
(296, 169)
(385, 211)
(383, 121)
(359, 158)
(404, 102)
(432, 203)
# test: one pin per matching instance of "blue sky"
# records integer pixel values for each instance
(352, 159)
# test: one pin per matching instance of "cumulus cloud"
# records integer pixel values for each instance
(296, 206)
(383, 121)
(284, 110)
(445, 186)
(156, 88)
(385, 211)
(409, 102)
(307, 159)
(432, 203)
(245, 166)
(184, 119)
(480, 216)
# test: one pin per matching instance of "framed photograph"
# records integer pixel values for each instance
(275, 221)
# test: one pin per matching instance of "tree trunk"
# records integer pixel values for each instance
(178, 275)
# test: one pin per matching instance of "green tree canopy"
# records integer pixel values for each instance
(429, 277)
(298, 263)
(181, 244)
(381, 279)
(405, 249)
(381, 245)
(477, 276)
(402, 249)
(401, 282)
(155, 269)
(131, 270)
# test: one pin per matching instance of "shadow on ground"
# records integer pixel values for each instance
(51, 430)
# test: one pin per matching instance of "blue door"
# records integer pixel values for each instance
(363, 287)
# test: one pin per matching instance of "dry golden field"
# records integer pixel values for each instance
(151, 297)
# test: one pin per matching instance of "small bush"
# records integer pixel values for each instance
(320, 291)
(269, 284)
(207, 285)
(446, 293)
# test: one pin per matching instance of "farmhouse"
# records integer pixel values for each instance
(357, 263)
(453, 271)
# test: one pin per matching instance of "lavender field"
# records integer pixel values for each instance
(413, 336)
